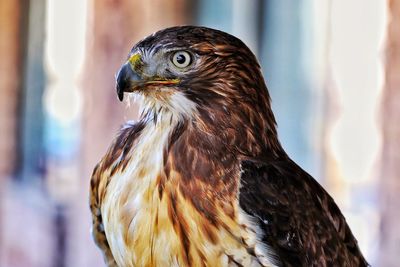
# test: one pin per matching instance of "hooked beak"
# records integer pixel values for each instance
(129, 80)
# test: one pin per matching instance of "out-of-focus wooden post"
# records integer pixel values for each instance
(390, 172)
(9, 92)
(10, 74)
(113, 27)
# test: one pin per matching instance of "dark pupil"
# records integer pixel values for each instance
(180, 59)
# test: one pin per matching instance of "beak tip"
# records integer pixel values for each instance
(120, 93)
(120, 84)
(121, 96)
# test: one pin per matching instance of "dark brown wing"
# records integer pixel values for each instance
(300, 221)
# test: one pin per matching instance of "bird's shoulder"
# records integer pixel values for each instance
(299, 220)
(116, 158)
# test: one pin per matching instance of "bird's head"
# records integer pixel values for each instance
(194, 72)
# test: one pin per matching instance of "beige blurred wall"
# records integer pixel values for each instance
(390, 155)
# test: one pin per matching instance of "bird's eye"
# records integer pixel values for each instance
(181, 59)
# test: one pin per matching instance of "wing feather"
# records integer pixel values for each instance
(299, 220)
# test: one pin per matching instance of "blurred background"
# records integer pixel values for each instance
(332, 68)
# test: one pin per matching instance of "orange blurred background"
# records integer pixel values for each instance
(332, 68)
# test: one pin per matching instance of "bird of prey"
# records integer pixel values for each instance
(201, 178)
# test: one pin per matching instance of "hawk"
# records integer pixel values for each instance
(201, 178)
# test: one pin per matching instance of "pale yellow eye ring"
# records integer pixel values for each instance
(181, 59)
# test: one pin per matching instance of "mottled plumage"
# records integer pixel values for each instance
(201, 179)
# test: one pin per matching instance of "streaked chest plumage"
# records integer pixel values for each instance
(145, 227)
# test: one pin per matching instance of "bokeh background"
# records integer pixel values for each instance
(332, 68)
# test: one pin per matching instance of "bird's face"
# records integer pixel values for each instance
(160, 73)
(187, 69)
